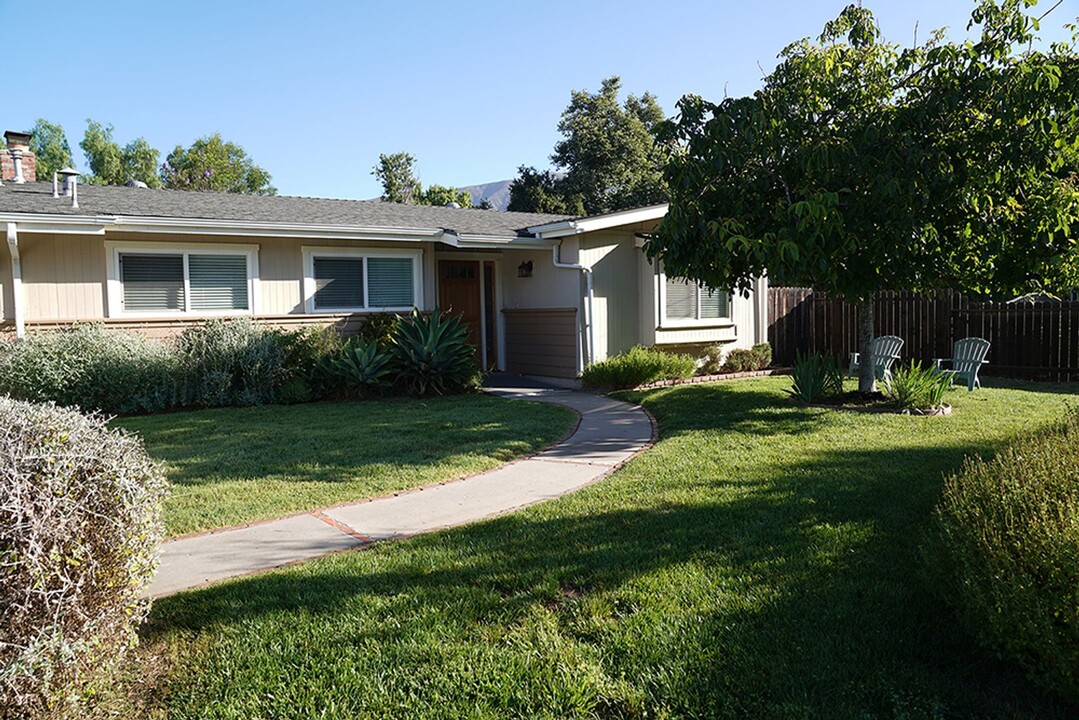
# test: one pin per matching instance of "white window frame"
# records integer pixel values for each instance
(310, 253)
(698, 322)
(115, 288)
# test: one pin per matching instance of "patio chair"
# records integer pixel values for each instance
(884, 351)
(968, 355)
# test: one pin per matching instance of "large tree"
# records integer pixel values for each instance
(50, 147)
(400, 185)
(112, 165)
(212, 163)
(860, 166)
(607, 155)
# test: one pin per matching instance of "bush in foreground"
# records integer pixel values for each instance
(637, 366)
(432, 354)
(1005, 553)
(80, 510)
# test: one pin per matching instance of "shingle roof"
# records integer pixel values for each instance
(142, 202)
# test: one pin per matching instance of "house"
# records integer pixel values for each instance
(543, 295)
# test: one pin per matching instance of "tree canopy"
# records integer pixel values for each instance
(400, 184)
(50, 147)
(860, 166)
(212, 163)
(112, 165)
(608, 157)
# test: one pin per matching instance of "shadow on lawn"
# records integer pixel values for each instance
(817, 605)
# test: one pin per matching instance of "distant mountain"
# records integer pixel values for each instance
(497, 193)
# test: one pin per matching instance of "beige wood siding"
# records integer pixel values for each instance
(542, 341)
(65, 276)
(614, 260)
(162, 328)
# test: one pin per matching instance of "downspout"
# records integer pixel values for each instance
(16, 279)
(589, 353)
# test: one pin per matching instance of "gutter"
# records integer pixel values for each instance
(16, 279)
(590, 331)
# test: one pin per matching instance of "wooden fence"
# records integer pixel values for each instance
(1036, 340)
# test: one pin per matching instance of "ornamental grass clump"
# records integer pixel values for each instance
(916, 388)
(80, 521)
(815, 377)
(1005, 553)
(638, 366)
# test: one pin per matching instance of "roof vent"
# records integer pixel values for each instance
(71, 190)
(453, 204)
(137, 184)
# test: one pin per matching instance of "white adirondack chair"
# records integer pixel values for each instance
(884, 351)
(968, 355)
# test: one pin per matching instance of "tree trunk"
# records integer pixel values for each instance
(867, 378)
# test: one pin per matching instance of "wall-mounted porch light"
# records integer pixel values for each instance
(525, 269)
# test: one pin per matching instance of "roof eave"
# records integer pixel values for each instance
(564, 228)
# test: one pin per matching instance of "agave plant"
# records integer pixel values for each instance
(433, 353)
(363, 366)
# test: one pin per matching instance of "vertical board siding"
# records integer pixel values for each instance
(1034, 340)
(541, 341)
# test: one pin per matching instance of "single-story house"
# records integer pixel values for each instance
(544, 295)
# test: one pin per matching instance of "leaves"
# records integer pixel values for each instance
(211, 163)
(859, 166)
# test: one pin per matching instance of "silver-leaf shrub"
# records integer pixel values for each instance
(80, 521)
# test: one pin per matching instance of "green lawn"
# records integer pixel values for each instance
(760, 561)
(233, 465)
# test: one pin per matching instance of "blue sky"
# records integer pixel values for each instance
(315, 91)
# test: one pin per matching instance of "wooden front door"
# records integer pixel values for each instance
(459, 294)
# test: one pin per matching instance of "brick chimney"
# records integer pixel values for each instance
(17, 164)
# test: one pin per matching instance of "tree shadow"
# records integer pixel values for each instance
(820, 606)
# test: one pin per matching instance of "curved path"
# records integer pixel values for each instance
(609, 433)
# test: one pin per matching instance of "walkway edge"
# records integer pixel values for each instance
(608, 434)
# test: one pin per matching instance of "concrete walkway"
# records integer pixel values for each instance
(610, 432)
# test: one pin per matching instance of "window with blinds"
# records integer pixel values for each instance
(164, 282)
(338, 283)
(218, 282)
(363, 282)
(689, 301)
(390, 282)
(153, 282)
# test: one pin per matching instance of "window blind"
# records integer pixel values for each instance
(713, 304)
(681, 299)
(390, 282)
(218, 282)
(338, 283)
(152, 282)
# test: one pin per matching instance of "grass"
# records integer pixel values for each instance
(760, 561)
(234, 465)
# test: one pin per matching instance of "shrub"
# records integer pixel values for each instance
(1005, 553)
(740, 360)
(88, 367)
(917, 388)
(763, 351)
(816, 377)
(363, 366)
(79, 526)
(433, 354)
(711, 360)
(637, 366)
(379, 328)
(306, 373)
(232, 362)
